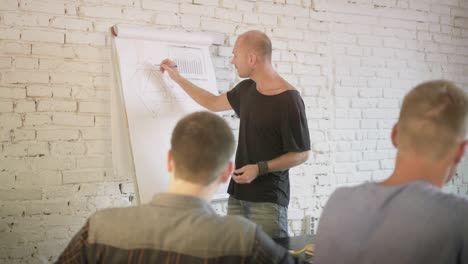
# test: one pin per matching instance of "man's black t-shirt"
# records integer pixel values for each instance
(270, 126)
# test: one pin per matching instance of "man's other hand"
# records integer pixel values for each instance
(246, 174)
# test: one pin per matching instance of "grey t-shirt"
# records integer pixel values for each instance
(410, 223)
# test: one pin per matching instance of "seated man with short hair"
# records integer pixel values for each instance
(180, 226)
(407, 219)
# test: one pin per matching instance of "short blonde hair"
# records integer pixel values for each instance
(433, 118)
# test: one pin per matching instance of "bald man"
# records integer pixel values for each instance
(273, 133)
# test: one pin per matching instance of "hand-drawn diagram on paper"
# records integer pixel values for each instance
(155, 89)
(147, 104)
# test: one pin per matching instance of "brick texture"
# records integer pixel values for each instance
(352, 61)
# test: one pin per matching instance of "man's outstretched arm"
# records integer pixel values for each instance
(215, 103)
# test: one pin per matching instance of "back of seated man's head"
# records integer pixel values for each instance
(202, 145)
(433, 119)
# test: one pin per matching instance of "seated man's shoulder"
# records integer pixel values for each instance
(428, 191)
(119, 217)
(234, 222)
(112, 213)
(450, 200)
(225, 235)
(346, 192)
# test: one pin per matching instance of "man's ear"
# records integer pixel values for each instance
(394, 135)
(252, 58)
(461, 151)
(169, 161)
(227, 172)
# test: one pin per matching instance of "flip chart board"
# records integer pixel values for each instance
(147, 104)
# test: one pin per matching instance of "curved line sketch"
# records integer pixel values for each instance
(155, 89)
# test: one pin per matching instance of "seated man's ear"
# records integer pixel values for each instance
(394, 135)
(169, 161)
(461, 151)
(227, 172)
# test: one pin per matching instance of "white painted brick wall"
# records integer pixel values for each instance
(352, 61)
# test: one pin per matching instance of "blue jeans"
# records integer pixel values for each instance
(273, 218)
